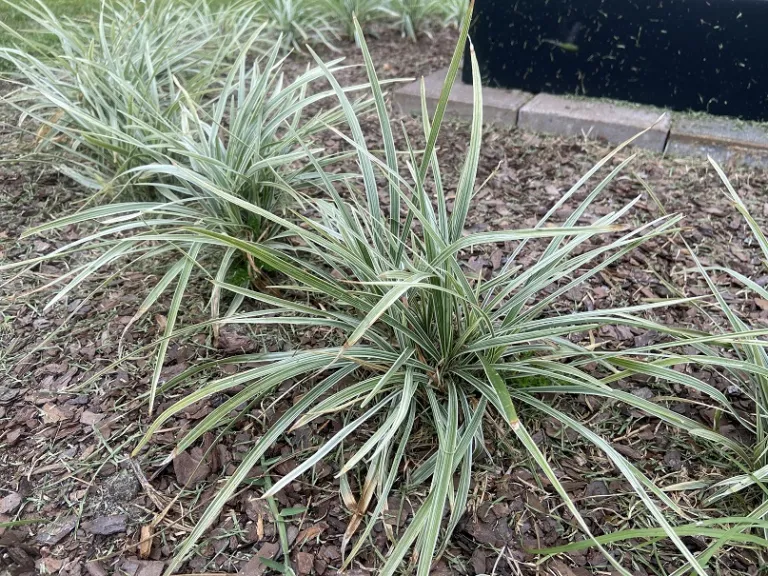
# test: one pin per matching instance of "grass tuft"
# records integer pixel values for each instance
(414, 16)
(194, 152)
(299, 22)
(203, 155)
(424, 339)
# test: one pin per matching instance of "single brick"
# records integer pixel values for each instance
(499, 106)
(724, 139)
(594, 119)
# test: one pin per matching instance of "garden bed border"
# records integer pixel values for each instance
(679, 134)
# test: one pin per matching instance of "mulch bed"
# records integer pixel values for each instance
(65, 450)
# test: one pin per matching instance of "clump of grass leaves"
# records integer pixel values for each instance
(453, 11)
(427, 347)
(207, 167)
(413, 16)
(738, 352)
(344, 12)
(94, 92)
(300, 22)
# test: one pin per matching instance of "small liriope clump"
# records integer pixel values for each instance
(414, 16)
(344, 12)
(299, 23)
(453, 11)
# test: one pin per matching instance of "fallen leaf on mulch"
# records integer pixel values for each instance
(312, 532)
(90, 418)
(10, 503)
(190, 468)
(48, 565)
(106, 525)
(761, 303)
(52, 414)
(56, 532)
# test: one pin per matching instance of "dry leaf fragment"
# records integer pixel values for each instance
(52, 414)
(145, 543)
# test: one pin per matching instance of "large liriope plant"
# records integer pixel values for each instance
(423, 341)
(206, 167)
(93, 91)
(739, 354)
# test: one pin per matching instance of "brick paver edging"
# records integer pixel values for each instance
(725, 139)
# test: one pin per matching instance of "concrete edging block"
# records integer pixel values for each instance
(499, 106)
(724, 139)
(574, 117)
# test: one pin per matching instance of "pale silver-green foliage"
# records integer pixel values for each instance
(344, 12)
(308, 22)
(413, 16)
(245, 146)
(94, 92)
(152, 99)
(422, 337)
(299, 23)
(452, 11)
(739, 354)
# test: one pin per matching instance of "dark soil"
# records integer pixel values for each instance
(67, 429)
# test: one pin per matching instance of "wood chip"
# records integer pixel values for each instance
(255, 567)
(94, 568)
(10, 503)
(54, 533)
(106, 525)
